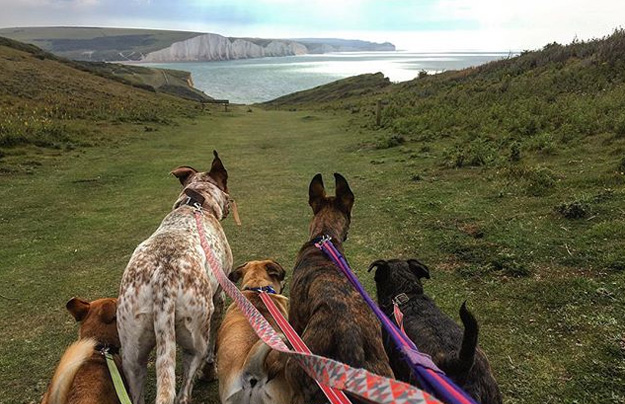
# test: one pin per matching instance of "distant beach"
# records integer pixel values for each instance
(257, 80)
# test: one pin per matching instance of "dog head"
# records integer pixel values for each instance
(97, 319)
(256, 274)
(395, 276)
(332, 214)
(212, 185)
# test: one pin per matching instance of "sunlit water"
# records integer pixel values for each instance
(256, 80)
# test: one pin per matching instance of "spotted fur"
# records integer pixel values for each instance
(168, 294)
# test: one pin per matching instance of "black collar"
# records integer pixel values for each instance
(193, 199)
(107, 348)
(400, 299)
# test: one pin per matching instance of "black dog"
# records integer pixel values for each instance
(433, 331)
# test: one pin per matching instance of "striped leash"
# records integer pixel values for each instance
(335, 396)
(429, 376)
(364, 384)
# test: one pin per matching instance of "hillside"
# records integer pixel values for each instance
(97, 44)
(125, 44)
(513, 179)
(52, 103)
(560, 92)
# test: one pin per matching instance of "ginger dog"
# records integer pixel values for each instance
(249, 371)
(82, 376)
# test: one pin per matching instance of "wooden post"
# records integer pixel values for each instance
(378, 113)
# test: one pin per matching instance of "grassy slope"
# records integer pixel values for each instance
(51, 103)
(105, 43)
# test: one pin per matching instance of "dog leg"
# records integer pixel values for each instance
(193, 336)
(136, 335)
(210, 372)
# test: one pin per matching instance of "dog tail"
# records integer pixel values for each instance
(165, 332)
(466, 356)
(254, 370)
(71, 361)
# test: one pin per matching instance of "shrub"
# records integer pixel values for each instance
(515, 152)
(621, 166)
(573, 210)
(389, 142)
(543, 143)
(477, 153)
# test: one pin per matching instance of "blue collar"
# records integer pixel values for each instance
(268, 289)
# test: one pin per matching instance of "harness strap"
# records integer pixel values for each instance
(335, 396)
(428, 375)
(118, 383)
(359, 382)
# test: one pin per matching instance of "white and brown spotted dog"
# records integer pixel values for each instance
(168, 293)
(249, 371)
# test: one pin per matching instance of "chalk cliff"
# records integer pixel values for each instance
(216, 47)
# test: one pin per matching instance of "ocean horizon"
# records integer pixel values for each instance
(250, 81)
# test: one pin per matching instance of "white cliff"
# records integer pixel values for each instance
(209, 47)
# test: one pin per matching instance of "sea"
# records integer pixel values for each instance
(250, 81)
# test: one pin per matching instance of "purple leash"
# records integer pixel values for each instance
(428, 375)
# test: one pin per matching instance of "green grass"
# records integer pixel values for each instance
(547, 290)
(507, 180)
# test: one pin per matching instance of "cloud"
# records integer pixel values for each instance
(412, 24)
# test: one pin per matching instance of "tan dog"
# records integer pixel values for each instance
(249, 371)
(82, 376)
(169, 295)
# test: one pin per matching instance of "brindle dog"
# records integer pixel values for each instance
(436, 334)
(329, 314)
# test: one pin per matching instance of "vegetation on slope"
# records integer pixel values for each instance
(520, 171)
(49, 102)
(97, 44)
(349, 88)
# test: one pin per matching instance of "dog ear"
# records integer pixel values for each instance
(218, 172)
(108, 312)
(418, 268)
(344, 194)
(78, 308)
(316, 193)
(275, 270)
(184, 174)
(382, 270)
(237, 273)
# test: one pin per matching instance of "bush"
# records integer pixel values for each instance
(621, 166)
(515, 152)
(477, 153)
(574, 210)
(389, 142)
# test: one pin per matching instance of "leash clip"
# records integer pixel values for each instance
(321, 240)
(400, 299)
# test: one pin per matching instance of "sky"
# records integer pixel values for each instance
(417, 25)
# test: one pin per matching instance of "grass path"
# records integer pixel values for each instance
(70, 229)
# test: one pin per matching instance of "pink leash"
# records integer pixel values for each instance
(328, 372)
(335, 396)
